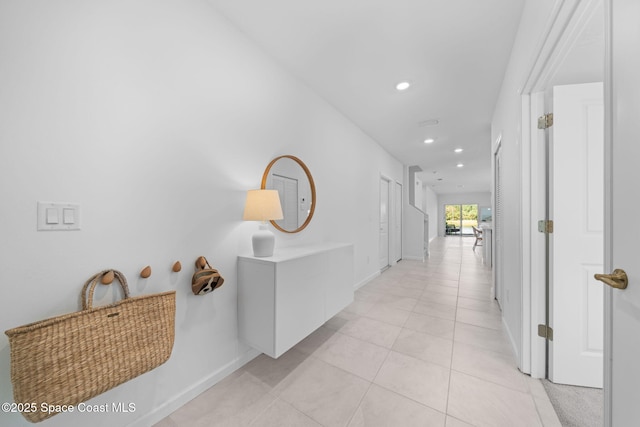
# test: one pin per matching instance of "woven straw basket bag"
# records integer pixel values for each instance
(68, 359)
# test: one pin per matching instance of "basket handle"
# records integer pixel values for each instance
(90, 285)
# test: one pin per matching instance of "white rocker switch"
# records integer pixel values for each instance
(68, 216)
(52, 216)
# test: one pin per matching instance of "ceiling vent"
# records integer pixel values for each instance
(430, 122)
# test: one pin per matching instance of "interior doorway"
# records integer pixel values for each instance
(572, 53)
(460, 219)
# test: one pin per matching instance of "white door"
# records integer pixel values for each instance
(622, 201)
(384, 224)
(576, 189)
(397, 221)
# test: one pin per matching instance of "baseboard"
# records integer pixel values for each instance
(514, 348)
(365, 281)
(181, 399)
(413, 258)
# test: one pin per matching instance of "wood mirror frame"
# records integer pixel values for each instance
(312, 185)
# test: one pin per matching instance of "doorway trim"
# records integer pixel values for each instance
(608, 214)
(567, 19)
(398, 208)
(497, 271)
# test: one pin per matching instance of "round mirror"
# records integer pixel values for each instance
(291, 177)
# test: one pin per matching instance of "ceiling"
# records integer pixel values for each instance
(354, 52)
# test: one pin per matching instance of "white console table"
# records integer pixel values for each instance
(285, 297)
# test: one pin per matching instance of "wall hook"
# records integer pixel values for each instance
(201, 262)
(177, 266)
(146, 272)
(107, 278)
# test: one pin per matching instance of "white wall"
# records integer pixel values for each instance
(480, 199)
(431, 208)
(413, 220)
(506, 124)
(419, 193)
(157, 116)
(413, 240)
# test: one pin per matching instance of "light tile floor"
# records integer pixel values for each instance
(422, 345)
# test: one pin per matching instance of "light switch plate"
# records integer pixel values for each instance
(67, 216)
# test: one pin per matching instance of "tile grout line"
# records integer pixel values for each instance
(386, 358)
(455, 323)
(371, 383)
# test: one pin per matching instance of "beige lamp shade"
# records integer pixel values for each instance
(262, 205)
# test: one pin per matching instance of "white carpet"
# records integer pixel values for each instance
(576, 406)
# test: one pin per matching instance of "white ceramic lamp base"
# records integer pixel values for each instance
(263, 242)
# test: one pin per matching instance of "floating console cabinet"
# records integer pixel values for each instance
(284, 298)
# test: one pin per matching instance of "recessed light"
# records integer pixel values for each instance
(459, 165)
(429, 140)
(458, 150)
(403, 86)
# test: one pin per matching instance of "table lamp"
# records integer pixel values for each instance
(262, 205)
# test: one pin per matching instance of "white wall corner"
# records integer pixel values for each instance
(180, 399)
(366, 280)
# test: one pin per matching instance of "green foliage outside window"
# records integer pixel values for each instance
(469, 214)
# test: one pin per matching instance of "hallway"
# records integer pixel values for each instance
(422, 345)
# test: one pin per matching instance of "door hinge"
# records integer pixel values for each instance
(545, 226)
(546, 332)
(545, 121)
